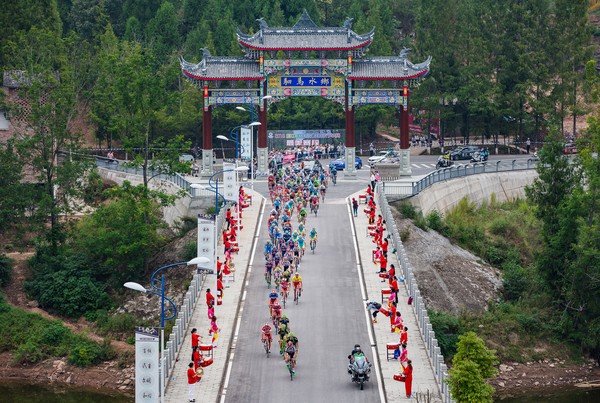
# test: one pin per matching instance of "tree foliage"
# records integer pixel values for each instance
(472, 365)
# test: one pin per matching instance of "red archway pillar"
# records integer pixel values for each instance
(262, 152)
(404, 137)
(207, 148)
(350, 154)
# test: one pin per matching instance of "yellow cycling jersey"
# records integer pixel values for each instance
(296, 279)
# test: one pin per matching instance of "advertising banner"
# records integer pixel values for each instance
(147, 375)
(246, 142)
(206, 239)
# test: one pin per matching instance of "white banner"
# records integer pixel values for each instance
(147, 375)
(246, 142)
(206, 240)
(229, 182)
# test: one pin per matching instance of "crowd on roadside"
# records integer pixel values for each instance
(389, 308)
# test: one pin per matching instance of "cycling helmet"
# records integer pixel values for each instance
(289, 343)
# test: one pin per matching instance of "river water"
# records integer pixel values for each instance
(22, 393)
(575, 395)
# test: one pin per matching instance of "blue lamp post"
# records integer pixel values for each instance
(173, 308)
(234, 138)
(215, 188)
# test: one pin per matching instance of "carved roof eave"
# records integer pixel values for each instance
(254, 41)
(365, 37)
(392, 77)
(207, 69)
(396, 68)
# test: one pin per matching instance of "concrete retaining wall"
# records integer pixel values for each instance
(443, 196)
(184, 206)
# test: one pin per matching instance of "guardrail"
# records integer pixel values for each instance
(431, 344)
(177, 179)
(192, 295)
(184, 314)
(408, 189)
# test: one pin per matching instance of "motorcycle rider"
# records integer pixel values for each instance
(356, 352)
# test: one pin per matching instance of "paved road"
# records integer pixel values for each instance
(328, 321)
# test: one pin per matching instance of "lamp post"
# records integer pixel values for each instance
(215, 188)
(236, 139)
(221, 137)
(173, 308)
(251, 125)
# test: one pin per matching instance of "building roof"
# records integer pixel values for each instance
(389, 68)
(305, 35)
(214, 68)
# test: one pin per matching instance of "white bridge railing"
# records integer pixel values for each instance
(408, 189)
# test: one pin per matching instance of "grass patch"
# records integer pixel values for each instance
(34, 338)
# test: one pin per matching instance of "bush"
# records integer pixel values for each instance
(5, 270)
(514, 281)
(66, 286)
(190, 250)
(211, 210)
(187, 224)
(29, 353)
(117, 323)
(86, 353)
(408, 210)
(447, 329)
(92, 193)
(435, 221)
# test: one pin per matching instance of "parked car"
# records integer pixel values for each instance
(340, 163)
(463, 153)
(570, 148)
(384, 156)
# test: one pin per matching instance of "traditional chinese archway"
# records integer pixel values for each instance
(340, 73)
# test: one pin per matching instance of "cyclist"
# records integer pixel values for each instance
(302, 215)
(266, 335)
(333, 172)
(276, 312)
(313, 238)
(323, 189)
(291, 338)
(297, 283)
(285, 286)
(301, 245)
(290, 353)
(282, 330)
(273, 295)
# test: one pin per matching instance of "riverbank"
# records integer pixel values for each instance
(107, 377)
(542, 377)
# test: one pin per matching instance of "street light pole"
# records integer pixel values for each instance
(138, 287)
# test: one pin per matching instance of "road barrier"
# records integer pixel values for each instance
(418, 305)
(408, 189)
(184, 315)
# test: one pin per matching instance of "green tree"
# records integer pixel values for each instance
(135, 97)
(19, 16)
(472, 365)
(50, 91)
(162, 32)
(14, 193)
(88, 18)
(550, 193)
(116, 238)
